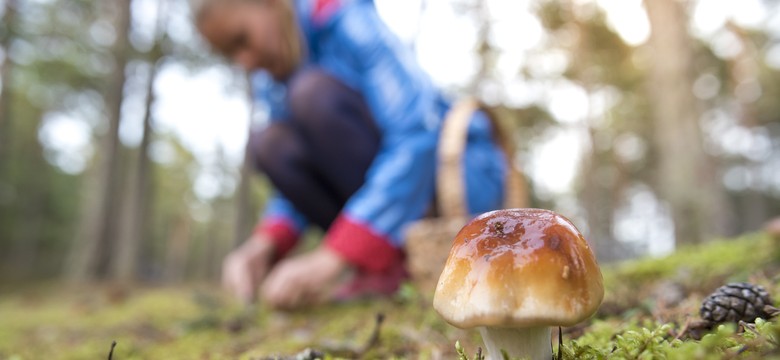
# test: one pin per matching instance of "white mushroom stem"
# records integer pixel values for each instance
(533, 343)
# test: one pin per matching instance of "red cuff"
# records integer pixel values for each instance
(280, 232)
(361, 246)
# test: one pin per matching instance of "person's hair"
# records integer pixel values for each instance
(285, 11)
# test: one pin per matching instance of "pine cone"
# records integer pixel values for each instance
(734, 302)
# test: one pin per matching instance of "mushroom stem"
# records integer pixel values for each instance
(532, 343)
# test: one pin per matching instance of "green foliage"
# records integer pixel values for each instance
(655, 341)
(462, 353)
(647, 339)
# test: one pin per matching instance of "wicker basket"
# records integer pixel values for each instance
(428, 241)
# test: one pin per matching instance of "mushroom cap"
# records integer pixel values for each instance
(519, 268)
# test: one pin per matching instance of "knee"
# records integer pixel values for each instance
(311, 94)
(271, 147)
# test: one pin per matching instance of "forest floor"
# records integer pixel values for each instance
(651, 311)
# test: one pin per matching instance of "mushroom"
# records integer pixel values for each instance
(514, 273)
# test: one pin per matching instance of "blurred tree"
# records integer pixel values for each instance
(59, 59)
(485, 82)
(132, 228)
(743, 74)
(92, 250)
(36, 199)
(601, 65)
(739, 87)
(742, 90)
(687, 177)
(486, 52)
(210, 243)
(7, 25)
(165, 252)
(179, 246)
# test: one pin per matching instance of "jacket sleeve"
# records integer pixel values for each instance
(281, 224)
(399, 183)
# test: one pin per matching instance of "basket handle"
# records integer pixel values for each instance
(450, 180)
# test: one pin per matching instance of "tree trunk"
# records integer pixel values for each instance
(745, 70)
(485, 51)
(131, 228)
(598, 196)
(8, 23)
(178, 250)
(752, 206)
(91, 254)
(687, 178)
(133, 224)
(7, 26)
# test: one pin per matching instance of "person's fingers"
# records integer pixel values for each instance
(237, 278)
(225, 279)
(303, 280)
(228, 275)
(243, 284)
(276, 288)
(244, 268)
(284, 287)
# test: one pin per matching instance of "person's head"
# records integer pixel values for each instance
(255, 34)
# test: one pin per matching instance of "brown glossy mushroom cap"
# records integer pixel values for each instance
(517, 268)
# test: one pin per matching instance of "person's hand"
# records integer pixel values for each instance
(245, 267)
(304, 280)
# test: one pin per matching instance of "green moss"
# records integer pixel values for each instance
(191, 322)
(697, 269)
(654, 341)
(733, 258)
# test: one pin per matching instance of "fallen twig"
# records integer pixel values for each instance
(373, 340)
(693, 329)
(111, 352)
(356, 352)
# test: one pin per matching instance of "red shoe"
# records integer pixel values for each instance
(372, 284)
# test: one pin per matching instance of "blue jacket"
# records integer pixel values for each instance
(349, 40)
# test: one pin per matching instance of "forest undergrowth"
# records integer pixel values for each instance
(651, 311)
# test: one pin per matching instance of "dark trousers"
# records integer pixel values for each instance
(319, 157)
